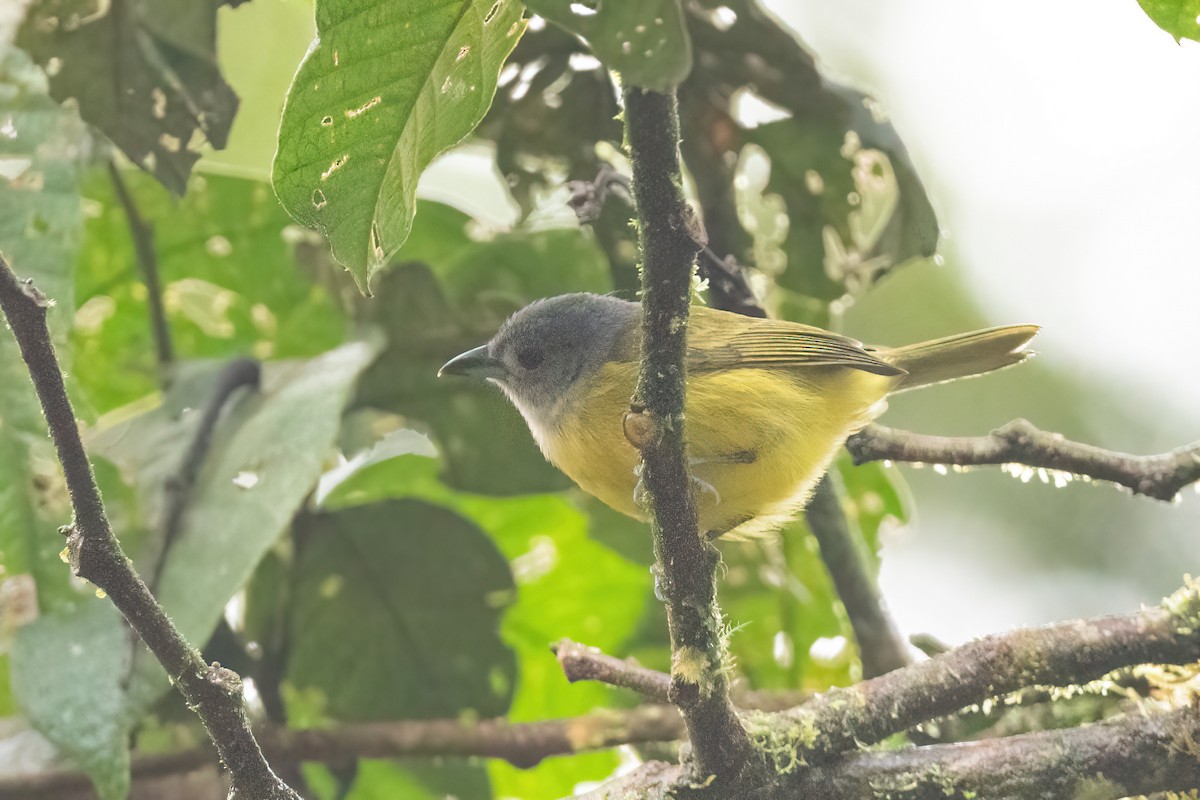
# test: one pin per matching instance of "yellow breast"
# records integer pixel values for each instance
(758, 439)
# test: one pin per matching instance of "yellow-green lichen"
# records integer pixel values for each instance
(690, 665)
(1184, 607)
(1097, 788)
(909, 784)
(781, 740)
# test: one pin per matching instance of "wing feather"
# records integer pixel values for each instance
(718, 340)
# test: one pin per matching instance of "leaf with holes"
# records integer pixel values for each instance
(385, 88)
(646, 42)
(144, 73)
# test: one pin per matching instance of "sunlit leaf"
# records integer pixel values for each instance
(1180, 18)
(142, 72)
(646, 42)
(385, 88)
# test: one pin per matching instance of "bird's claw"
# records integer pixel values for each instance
(703, 487)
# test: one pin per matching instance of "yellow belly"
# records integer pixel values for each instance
(760, 438)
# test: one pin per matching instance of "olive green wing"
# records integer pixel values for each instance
(719, 340)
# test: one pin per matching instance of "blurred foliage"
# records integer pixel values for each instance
(646, 43)
(1180, 18)
(363, 540)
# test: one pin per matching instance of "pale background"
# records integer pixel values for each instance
(1058, 141)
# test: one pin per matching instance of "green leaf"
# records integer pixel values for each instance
(546, 539)
(1180, 18)
(142, 72)
(231, 286)
(385, 88)
(67, 670)
(40, 225)
(828, 193)
(418, 588)
(264, 460)
(855, 206)
(646, 42)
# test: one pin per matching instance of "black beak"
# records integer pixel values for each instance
(474, 364)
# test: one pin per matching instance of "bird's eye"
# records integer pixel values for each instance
(531, 358)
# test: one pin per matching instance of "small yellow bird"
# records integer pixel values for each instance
(768, 402)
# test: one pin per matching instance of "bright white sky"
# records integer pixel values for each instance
(1061, 141)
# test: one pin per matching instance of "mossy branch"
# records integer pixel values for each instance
(670, 236)
(95, 554)
(1062, 654)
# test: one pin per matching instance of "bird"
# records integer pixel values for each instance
(768, 402)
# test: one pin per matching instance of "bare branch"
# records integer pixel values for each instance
(582, 663)
(520, 744)
(96, 555)
(1063, 654)
(670, 237)
(142, 234)
(1020, 442)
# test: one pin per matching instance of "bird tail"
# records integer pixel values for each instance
(960, 356)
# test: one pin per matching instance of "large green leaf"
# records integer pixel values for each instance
(420, 590)
(385, 88)
(1180, 18)
(142, 71)
(66, 673)
(231, 284)
(40, 225)
(569, 584)
(263, 462)
(646, 42)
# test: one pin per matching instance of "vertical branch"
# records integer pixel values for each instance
(142, 234)
(879, 644)
(95, 554)
(670, 236)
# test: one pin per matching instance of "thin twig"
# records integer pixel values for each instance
(582, 663)
(178, 486)
(142, 234)
(1119, 758)
(670, 237)
(520, 744)
(96, 555)
(1063, 654)
(880, 645)
(1020, 442)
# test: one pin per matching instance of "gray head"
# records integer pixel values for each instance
(540, 355)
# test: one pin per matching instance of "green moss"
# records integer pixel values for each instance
(1097, 788)
(1184, 607)
(909, 784)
